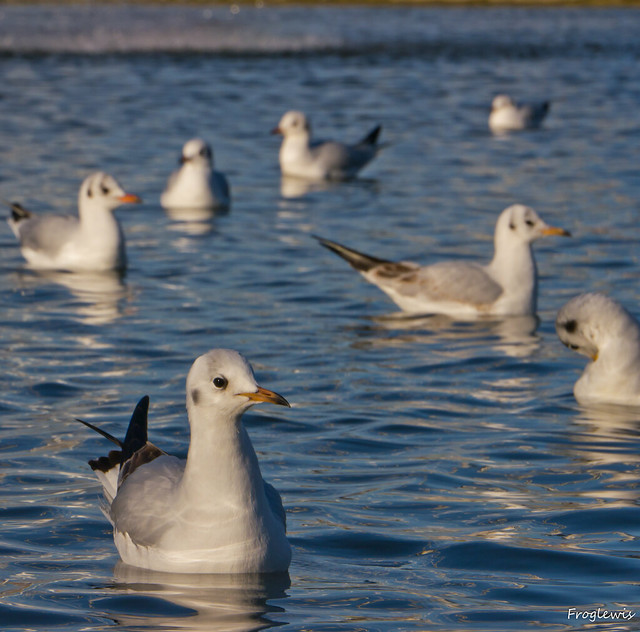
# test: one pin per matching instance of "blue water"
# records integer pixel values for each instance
(436, 475)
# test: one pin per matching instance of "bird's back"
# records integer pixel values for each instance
(340, 161)
(449, 286)
(46, 235)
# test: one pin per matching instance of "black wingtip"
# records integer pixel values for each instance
(372, 137)
(18, 212)
(136, 436)
(102, 432)
(357, 260)
(135, 439)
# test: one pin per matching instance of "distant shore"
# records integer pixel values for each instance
(425, 3)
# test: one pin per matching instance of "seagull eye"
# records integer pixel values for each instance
(104, 189)
(220, 382)
(529, 222)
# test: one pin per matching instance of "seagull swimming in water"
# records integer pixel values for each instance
(196, 185)
(212, 513)
(321, 160)
(91, 242)
(507, 286)
(602, 329)
(508, 116)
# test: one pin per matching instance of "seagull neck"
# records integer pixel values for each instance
(221, 460)
(299, 140)
(199, 165)
(92, 215)
(513, 265)
(620, 348)
(514, 268)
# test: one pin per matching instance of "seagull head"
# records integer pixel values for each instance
(293, 123)
(501, 101)
(103, 191)
(590, 322)
(520, 223)
(222, 380)
(197, 151)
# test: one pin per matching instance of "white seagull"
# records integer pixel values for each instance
(508, 116)
(505, 287)
(91, 242)
(196, 185)
(212, 513)
(600, 328)
(321, 160)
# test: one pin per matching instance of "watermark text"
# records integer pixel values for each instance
(599, 614)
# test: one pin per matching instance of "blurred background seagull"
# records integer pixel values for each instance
(196, 185)
(321, 160)
(212, 513)
(508, 116)
(602, 329)
(505, 287)
(93, 241)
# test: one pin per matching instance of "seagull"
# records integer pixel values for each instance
(91, 242)
(196, 185)
(212, 513)
(508, 116)
(600, 328)
(321, 160)
(505, 287)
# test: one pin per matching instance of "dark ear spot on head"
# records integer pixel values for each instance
(89, 192)
(512, 226)
(571, 326)
(195, 396)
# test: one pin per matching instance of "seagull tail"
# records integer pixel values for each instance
(357, 260)
(372, 137)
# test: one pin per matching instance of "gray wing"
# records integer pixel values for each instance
(48, 233)
(143, 506)
(342, 160)
(275, 502)
(534, 113)
(220, 187)
(447, 281)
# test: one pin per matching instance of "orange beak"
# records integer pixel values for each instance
(129, 198)
(264, 395)
(553, 230)
(276, 130)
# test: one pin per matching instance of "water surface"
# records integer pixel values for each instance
(436, 475)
